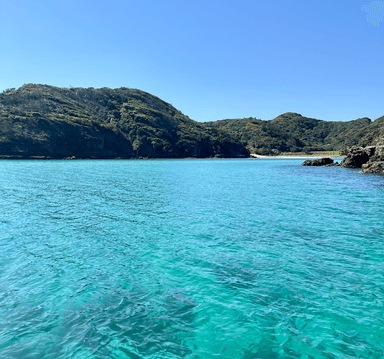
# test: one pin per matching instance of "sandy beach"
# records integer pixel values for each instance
(297, 156)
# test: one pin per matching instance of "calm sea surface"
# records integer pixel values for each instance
(190, 259)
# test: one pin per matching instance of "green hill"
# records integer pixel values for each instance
(292, 132)
(52, 122)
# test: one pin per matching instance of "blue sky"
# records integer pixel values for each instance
(210, 59)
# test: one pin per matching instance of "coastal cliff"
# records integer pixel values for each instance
(41, 121)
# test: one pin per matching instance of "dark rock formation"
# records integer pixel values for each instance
(370, 159)
(373, 167)
(334, 164)
(357, 156)
(321, 162)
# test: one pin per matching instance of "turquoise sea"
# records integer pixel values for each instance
(190, 259)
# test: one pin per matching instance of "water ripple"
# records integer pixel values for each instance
(190, 259)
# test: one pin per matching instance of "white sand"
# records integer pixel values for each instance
(297, 156)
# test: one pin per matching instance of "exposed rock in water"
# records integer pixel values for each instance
(374, 167)
(328, 162)
(370, 159)
(357, 156)
(334, 164)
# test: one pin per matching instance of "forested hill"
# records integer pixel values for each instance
(41, 121)
(292, 132)
(51, 122)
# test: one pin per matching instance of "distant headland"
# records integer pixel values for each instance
(47, 122)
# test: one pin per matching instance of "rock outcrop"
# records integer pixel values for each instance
(357, 156)
(327, 162)
(373, 167)
(370, 159)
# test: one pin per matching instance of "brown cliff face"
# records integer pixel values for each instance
(40, 121)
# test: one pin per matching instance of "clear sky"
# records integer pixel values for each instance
(210, 59)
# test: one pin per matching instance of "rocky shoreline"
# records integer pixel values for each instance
(325, 162)
(370, 159)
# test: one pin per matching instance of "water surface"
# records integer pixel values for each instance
(190, 259)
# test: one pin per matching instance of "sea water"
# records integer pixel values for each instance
(190, 259)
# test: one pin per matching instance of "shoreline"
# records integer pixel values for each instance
(253, 155)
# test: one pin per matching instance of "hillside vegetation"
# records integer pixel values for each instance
(52, 122)
(41, 121)
(292, 132)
